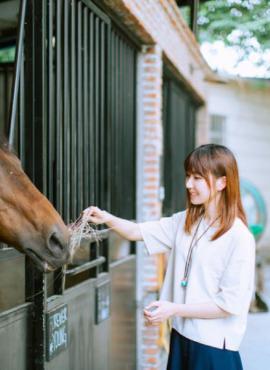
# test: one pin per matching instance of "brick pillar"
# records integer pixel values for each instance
(149, 204)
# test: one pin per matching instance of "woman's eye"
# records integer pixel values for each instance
(197, 177)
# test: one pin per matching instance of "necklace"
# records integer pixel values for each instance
(193, 243)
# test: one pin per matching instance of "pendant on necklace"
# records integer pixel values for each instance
(184, 283)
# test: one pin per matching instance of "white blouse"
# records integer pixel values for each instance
(222, 271)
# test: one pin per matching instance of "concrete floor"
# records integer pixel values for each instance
(255, 348)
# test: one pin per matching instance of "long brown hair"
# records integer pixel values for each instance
(218, 161)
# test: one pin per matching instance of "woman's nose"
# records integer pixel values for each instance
(188, 183)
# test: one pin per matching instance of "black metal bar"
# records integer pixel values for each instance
(21, 120)
(116, 123)
(80, 174)
(18, 61)
(42, 117)
(128, 130)
(134, 136)
(86, 266)
(50, 103)
(62, 142)
(102, 123)
(97, 108)
(30, 91)
(86, 123)
(58, 107)
(110, 114)
(35, 82)
(66, 117)
(73, 133)
(119, 134)
(6, 100)
(35, 288)
(91, 137)
(125, 128)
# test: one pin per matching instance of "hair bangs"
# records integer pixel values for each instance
(197, 163)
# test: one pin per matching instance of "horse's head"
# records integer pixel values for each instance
(28, 221)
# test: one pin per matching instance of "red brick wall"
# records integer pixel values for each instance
(164, 38)
(151, 120)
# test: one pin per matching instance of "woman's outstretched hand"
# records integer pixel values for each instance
(96, 215)
(127, 229)
(159, 311)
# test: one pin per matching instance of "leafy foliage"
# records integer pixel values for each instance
(243, 23)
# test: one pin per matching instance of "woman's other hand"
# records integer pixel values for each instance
(159, 311)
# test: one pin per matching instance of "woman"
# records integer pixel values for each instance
(210, 275)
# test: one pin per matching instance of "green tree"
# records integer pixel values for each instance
(242, 23)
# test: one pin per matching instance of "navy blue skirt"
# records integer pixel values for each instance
(185, 354)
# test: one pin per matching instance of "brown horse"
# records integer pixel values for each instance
(28, 221)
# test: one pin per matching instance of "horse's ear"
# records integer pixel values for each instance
(4, 145)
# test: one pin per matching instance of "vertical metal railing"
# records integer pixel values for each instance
(72, 115)
(75, 105)
(179, 109)
(122, 125)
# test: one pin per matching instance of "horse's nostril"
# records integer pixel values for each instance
(55, 244)
(58, 244)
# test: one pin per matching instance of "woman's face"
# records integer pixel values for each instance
(198, 189)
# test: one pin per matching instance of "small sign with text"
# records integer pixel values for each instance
(57, 333)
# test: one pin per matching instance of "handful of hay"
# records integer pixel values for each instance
(82, 229)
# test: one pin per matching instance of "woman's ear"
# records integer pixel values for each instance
(221, 183)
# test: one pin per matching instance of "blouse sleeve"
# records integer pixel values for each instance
(159, 236)
(237, 282)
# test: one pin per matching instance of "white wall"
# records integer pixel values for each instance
(246, 105)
